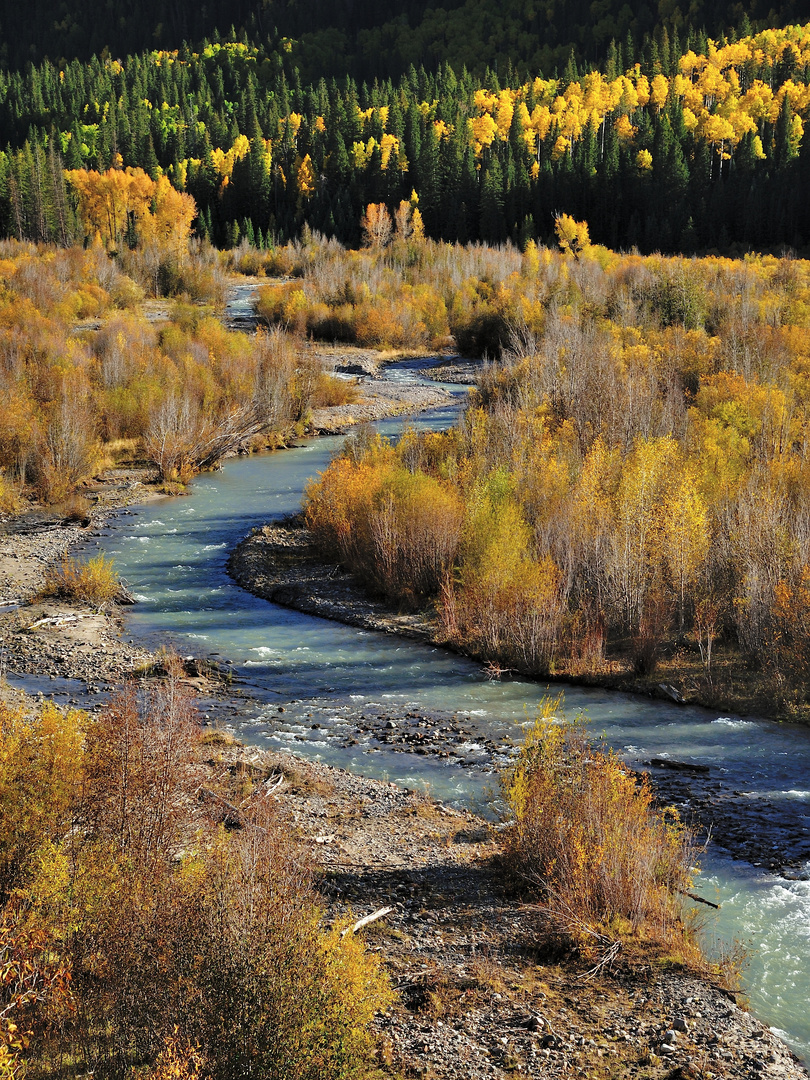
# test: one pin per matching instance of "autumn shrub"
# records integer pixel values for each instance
(587, 836)
(398, 529)
(40, 776)
(158, 943)
(279, 996)
(10, 501)
(503, 603)
(198, 275)
(94, 581)
(330, 390)
(481, 331)
(76, 509)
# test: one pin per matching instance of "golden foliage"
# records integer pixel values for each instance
(632, 472)
(572, 236)
(136, 931)
(118, 200)
(93, 582)
(587, 836)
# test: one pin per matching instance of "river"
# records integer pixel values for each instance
(308, 684)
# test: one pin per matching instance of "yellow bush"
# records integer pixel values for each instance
(10, 501)
(398, 529)
(587, 835)
(40, 773)
(93, 582)
(216, 963)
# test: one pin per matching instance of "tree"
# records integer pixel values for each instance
(376, 225)
(572, 236)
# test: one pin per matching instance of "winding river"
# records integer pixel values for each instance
(307, 685)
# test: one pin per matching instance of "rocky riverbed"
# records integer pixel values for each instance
(484, 991)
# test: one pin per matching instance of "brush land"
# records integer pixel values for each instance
(611, 231)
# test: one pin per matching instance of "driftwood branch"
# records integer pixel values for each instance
(274, 787)
(58, 620)
(700, 899)
(365, 921)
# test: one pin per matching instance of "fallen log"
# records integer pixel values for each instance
(58, 620)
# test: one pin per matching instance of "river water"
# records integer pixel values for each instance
(308, 684)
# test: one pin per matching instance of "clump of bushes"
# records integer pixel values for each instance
(94, 582)
(588, 838)
(139, 937)
(397, 528)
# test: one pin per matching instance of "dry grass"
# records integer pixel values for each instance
(76, 508)
(10, 501)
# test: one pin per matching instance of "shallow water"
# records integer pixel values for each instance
(173, 555)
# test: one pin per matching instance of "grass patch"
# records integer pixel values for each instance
(219, 738)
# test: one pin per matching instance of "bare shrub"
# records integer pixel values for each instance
(67, 452)
(138, 768)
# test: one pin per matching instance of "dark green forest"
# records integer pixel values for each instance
(368, 40)
(674, 144)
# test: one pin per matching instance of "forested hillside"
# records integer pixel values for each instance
(368, 40)
(680, 153)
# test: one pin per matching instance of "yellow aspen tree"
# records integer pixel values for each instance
(686, 538)
(376, 225)
(638, 557)
(572, 236)
(106, 200)
(531, 260)
(306, 178)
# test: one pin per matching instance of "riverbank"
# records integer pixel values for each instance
(54, 638)
(280, 563)
(466, 958)
(57, 639)
(482, 991)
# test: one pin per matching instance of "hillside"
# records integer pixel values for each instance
(367, 40)
(705, 152)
